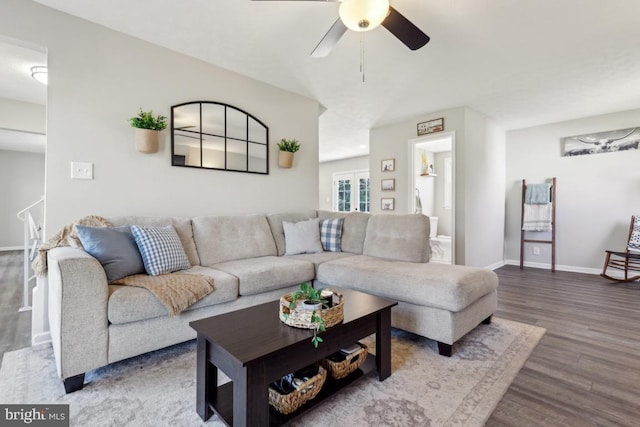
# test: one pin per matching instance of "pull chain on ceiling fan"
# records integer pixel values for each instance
(365, 15)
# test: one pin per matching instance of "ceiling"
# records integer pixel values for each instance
(15, 72)
(520, 63)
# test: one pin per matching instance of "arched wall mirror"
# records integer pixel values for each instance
(212, 135)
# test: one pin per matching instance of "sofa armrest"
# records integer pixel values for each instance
(78, 295)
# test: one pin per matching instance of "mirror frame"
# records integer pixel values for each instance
(175, 161)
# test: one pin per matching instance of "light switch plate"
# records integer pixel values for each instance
(81, 170)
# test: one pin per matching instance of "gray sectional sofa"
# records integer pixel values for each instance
(94, 323)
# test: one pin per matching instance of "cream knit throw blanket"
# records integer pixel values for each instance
(176, 291)
(65, 237)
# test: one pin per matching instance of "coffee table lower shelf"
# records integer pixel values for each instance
(223, 404)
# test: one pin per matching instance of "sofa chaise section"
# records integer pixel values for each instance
(441, 302)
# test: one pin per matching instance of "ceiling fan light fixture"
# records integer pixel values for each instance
(363, 15)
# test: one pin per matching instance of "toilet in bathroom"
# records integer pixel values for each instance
(440, 244)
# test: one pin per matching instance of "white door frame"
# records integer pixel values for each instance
(411, 146)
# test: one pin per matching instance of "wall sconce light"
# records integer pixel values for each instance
(39, 73)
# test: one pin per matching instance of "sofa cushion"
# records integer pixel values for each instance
(228, 238)
(318, 259)
(354, 229)
(302, 237)
(182, 226)
(115, 248)
(449, 287)
(330, 234)
(161, 249)
(275, 223)
(131, 304)
(257, 275)
(398, 237)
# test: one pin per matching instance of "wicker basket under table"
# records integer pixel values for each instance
(288, 403)
(351, 362)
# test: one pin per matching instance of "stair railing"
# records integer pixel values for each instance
(32, 239)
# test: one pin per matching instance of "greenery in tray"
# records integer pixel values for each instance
(291, 145)
(308, 293)
(146, 120)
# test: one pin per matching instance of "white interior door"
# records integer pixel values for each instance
(351, 191)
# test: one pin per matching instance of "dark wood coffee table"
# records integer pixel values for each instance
(254, 348)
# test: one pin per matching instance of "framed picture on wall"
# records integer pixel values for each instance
(387, 204)
(601, 142)
(389, 184)
(388, 165)
(431, 126)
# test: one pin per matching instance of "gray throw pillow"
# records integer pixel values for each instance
(114, 248)
(302, 237)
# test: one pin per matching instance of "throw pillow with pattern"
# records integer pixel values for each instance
(330, 234)
(161, 249)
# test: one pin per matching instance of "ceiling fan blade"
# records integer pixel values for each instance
(404, 30)
(329, 40)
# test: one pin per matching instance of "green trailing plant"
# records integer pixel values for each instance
(308, 293)
(290, 145)
(146, 120)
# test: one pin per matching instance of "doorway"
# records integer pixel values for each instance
(23, 101)
(351, 191)
(432, 190)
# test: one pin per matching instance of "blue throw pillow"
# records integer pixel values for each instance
(114, 248)
(161, 249)
(330, 234)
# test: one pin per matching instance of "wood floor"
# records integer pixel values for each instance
(15, 328)
(586, 369)
(584, 372)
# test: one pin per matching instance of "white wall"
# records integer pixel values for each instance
(21, 184)
(327, 169)
(99, 78)
(484, 190)
(24, 116)
(596, 194)
(478, 179)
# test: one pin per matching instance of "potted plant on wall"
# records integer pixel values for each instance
(147, 127)
(287, 148)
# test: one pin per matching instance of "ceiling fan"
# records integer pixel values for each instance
(365, 15)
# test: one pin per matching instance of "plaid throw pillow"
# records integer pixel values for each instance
(330, 233)
(161, 249)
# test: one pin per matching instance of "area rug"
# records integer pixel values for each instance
(158, 388)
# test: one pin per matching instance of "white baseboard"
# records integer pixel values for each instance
(546, 266)
(41, 338)
(11, 248)
(495, 266)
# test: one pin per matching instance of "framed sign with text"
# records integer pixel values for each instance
(431, 126)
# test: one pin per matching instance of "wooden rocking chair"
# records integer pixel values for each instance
(629, 260)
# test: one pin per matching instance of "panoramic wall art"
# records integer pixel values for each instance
(601, 142)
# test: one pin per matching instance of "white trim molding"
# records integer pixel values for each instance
(570, 268)
(11, 248)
